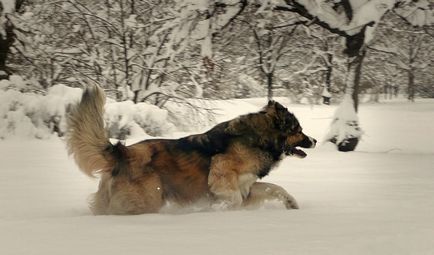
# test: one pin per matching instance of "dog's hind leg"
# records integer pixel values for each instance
(260, 192)
(142, 195)
(99, 201)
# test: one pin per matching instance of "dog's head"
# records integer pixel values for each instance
(290, 129)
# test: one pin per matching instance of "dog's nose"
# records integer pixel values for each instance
(313, 141)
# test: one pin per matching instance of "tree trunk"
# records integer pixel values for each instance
(345, 131)
(136, 96)
(328, 79)
(411, 88)
(6, 41)
(329, 71)
(352, 80)
(269, 86)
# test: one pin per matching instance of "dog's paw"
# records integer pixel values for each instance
(228, 200)
(220, 206)
(291, 203)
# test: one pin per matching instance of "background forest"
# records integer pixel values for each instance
(127, 46)
(165, 51)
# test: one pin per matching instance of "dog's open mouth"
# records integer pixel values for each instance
(293, 151)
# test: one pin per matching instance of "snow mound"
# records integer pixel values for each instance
(345, 122)
(31, 115)
(126, 119)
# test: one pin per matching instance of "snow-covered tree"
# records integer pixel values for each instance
(409, 50)
(412, 57)
(269, 43)
(7, 33)
(356, 21)
(120, 45)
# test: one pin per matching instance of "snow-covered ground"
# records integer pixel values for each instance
(376, 200)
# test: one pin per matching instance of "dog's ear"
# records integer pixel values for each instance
(280, 108)
(270, 108)
(280, 111)
(285, 119)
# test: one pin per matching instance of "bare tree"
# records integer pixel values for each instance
(8, 36)
(271, 45)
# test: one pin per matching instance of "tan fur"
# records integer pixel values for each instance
(120, 195)
(99, 201)
(260, 192)
(294, 139)
(143, 195)
(226, 169)
(136, 191)
(86, 137)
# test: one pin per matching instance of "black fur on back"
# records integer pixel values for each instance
(214, 141)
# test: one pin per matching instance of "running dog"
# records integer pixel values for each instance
(221, 165)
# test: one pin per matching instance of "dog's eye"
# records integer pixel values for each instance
(296, 130)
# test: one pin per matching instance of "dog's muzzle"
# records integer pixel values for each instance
(307, 142)
(312, 142)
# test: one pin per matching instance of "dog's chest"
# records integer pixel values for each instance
(245, 182)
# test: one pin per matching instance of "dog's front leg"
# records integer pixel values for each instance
(223, 182)
(262, 191)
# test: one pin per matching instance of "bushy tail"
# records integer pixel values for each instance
(86, 137)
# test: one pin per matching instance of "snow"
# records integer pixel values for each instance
(370, 11)
(345, 122)
(324, 12)
(376, 200)
(30, 115)
(8, 6)
(232, 8)
(364, 12)
(418, 13)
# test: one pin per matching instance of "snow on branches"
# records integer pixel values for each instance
(355, 20)
(198, 20)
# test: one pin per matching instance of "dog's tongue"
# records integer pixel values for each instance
(298, 153)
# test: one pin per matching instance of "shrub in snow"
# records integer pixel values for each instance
(344, 130)
(191, 118)
(17, 124)
(153, 120)
(57, 102)
(126, 119)
(118, 119)
(15, 116)
(31, 115)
